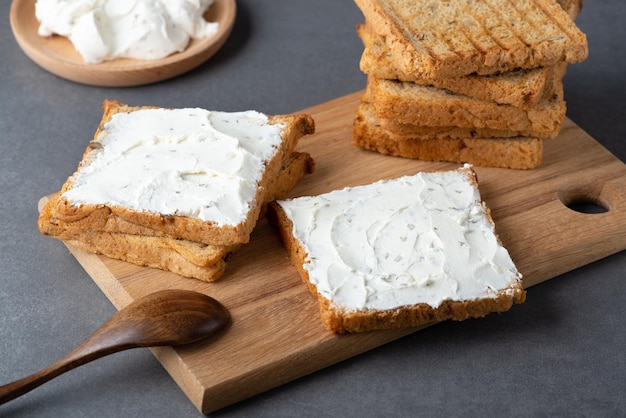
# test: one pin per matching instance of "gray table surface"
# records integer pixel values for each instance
(559, 354)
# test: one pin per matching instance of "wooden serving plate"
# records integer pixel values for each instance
(57, 54)
(276, 335)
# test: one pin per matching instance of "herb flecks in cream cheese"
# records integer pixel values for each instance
(416, 239)
(188, 162)
(103, 30)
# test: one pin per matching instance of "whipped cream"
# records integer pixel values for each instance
(416, 239)
(142, 29)
(187, 162)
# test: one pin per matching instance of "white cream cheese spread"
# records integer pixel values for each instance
(142, 29)
(416, 239)
(188, 162)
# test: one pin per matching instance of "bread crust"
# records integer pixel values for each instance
(414, 104)
(514, 152)
(155, 252)
(520, 88)
(341, 320)
(186, 258)
(105, 217)
(450, 39)
(107, 231)
(396, 128)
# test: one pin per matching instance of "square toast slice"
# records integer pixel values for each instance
(519, 153)
(435, 39)
(183, 257)
(189, 174)
(414, 104)
(520, 88)
(404, 252)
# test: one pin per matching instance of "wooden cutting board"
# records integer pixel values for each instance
(276, 335)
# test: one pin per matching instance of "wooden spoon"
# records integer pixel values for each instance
(169, 317)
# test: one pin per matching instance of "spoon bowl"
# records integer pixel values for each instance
(164, 318)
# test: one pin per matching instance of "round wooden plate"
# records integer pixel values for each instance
(57, 54)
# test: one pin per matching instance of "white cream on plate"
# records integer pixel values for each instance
(416, 239)
(103, 30)
(187, 162)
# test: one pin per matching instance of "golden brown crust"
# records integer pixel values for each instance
(155, 252)
(520, 88)
(110, 242)
(442, 87)
(417, 315)
(514, 153)
(202, 261)
(96, 217)
(341, 320)
(104, 219)
(296, 166)
(183, 257)
(441, 40)
(411, 103)
(393, 128)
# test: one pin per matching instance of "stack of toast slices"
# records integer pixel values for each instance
(148, 229)
(465, 81)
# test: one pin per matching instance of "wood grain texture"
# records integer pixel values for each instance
(57, 55)
(276, 334)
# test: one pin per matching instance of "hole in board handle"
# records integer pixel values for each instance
(586, 207)
(585, 199)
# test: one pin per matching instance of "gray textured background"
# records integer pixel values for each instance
(559, 354)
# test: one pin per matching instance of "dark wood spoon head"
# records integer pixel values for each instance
(172, 317)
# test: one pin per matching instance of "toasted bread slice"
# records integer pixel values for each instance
(186, 258)
(206, 202)
(405, 252)
(514, 152)
(436, 39)
(414, 104)
(393, 128)
(103, 220)
(149, 252)
(520, 88)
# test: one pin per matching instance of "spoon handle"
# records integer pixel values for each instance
(89, 350)
(168, 317)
